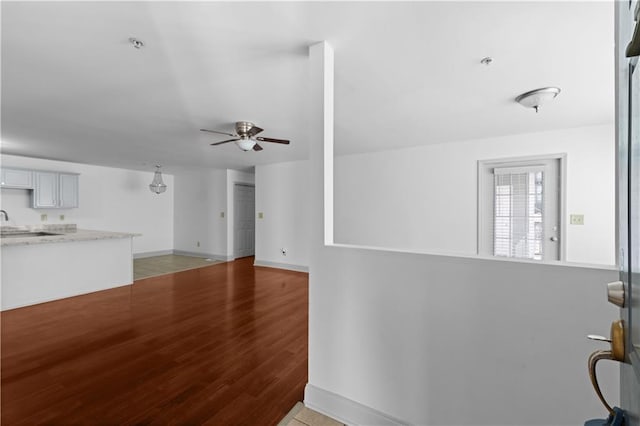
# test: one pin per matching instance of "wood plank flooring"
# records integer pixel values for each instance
(220, 345)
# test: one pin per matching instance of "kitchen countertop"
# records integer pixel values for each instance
(66, 233)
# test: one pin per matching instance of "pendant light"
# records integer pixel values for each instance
(157, 186)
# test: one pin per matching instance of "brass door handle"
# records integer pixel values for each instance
(593, 359)
(616, 353)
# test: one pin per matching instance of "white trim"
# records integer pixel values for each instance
(203, 255)
(345, 410)
(288, 266)
(562, 172)
(459, 256)
(484, 165)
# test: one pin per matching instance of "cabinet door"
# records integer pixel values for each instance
(17, 178)
(45, 193)
(68, 191)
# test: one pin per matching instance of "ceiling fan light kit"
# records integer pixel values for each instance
(246, 144)
(245, 136)
(535, 98)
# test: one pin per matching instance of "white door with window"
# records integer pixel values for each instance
(520, 207)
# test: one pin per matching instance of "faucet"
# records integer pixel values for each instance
(6, 216)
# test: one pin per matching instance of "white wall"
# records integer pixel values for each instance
(111, 199)
(282, 195)
(443, 340)
(425, 198)
(200, 198)
(435, 340)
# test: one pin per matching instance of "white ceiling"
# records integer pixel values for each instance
(406, 74)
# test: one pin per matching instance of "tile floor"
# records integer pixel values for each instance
(159, 265)
(303, 416)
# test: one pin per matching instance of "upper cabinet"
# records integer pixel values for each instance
(68, 191)
(55, 190)
(45, 193)
(16, 178)
(51, 190)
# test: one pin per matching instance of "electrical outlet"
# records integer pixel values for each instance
(43, 217)
(260, 215)
(198, 244)
(61, 218)
(576, 219)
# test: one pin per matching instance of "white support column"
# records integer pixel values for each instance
(321, 142)
(321, 190)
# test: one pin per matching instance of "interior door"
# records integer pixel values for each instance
(244, 220)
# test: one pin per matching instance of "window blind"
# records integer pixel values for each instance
(518, 212)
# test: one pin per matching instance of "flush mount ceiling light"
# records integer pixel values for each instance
(535, 98)
(157, 186)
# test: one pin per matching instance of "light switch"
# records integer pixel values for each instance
(576, 219)
(222, 215)
(260, 215)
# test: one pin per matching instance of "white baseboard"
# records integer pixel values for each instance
(152, 254)
(345, 410)
(288, 266)
(203, 255)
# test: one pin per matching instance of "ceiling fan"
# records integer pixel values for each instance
(245, 136)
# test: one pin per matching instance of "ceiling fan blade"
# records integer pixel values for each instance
(254, 131)
(221, 133)
(257, 147)
(260, 138)
(220, 143)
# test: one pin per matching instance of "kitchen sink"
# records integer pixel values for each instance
(26, 234)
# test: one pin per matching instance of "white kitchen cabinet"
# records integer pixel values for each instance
(55, 190)
(68, 191)
(45, 193)
(16, 178)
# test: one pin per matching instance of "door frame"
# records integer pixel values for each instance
(483, 206)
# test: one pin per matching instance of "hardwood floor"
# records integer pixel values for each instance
(221, 345)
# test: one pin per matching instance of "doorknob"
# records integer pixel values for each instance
(616, 353)
(554, 239)
(615, 293)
